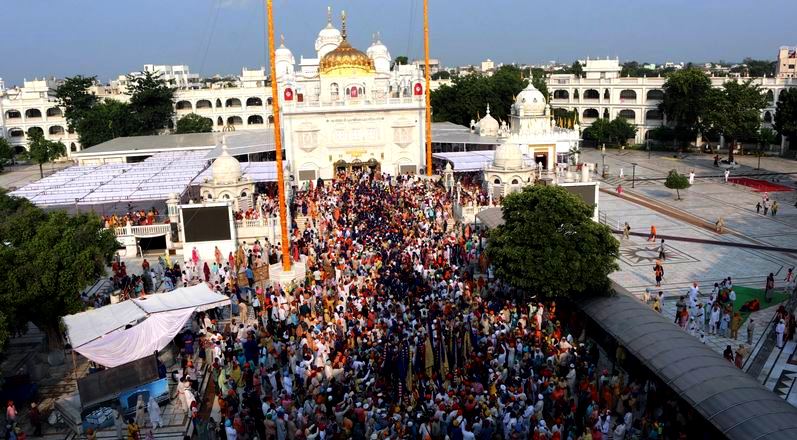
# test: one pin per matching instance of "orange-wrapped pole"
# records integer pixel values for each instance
(275, 110)
(428, 90)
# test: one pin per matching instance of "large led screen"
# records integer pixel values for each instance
(206, 223)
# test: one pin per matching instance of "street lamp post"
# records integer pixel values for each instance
(633, 174)
(603, 160)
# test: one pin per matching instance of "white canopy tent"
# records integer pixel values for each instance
(470, 161)
(101, 334)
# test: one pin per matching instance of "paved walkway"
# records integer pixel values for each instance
(755, 246)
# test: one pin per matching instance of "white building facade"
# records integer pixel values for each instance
(347, 110)
(34, 106)
(603, 93)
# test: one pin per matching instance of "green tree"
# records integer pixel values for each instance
(401, 60)
(766, 137)
(6, 153)
(106, 120)
(621, 130)
(43, 150)
(46, 260)
(468, 95)
(735, 112)
(575, 69)
(677, 182)
(785, 121)
(686, 101)
(443, 74)
(150, 103)
(599, 131)
(193, 123)
(73, 95)
(759, 68)
(617, 131)
(550, 246)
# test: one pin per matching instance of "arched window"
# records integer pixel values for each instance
(655, 95)
(235, 120)
(13, 114)
(591, 94)
(233, 102)
(627, 114)
(218, 103)
(654, 115)
(254, 102)
(219, 121)
(254, 120)
(73, 147)
(54, 112)
(268, 101)
(203, 104)
(770, 96)
(628, 95)
(270, 119)
(497, 181)
(243, 193)
(575, 94)
(591, 113)
(35, 130)
(515, 182)
(16, 132)
(767, 117)
(334, 91)
(33, 113)
(607, 95)
(183, 105)
(56, 130)
(561, 94)
(606, 113)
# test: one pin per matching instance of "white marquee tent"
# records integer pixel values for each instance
(103, 336)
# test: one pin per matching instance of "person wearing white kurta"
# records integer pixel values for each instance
(154, 413)
(691, 177)
(714, 319)
(779, 330)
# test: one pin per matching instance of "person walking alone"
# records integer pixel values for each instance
(626, 231)
(652, 236)
(727, 174)
(662, 251)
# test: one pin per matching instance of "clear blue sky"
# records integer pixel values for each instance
(107, 38)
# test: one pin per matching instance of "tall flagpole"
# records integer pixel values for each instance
(275, 110)
(428, 91)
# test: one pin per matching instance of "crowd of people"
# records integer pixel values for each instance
(139, 217)
(397, 331)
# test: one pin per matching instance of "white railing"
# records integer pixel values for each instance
(143, 230)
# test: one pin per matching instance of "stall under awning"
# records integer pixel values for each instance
(120, 333)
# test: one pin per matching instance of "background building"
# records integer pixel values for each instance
(602, 93)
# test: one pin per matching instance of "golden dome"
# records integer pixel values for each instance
(345, 59)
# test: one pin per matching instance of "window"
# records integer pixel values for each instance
(497, 181)
(515, 182)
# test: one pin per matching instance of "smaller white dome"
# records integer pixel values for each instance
(282, 53)
(377, 49)
(328, 38)
(508, 157)
(225, 169)
(530, 101)
(488, 125)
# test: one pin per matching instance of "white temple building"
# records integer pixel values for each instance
(347, 110)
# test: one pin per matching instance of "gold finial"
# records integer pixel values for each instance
(343, 24)
(329, 16)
